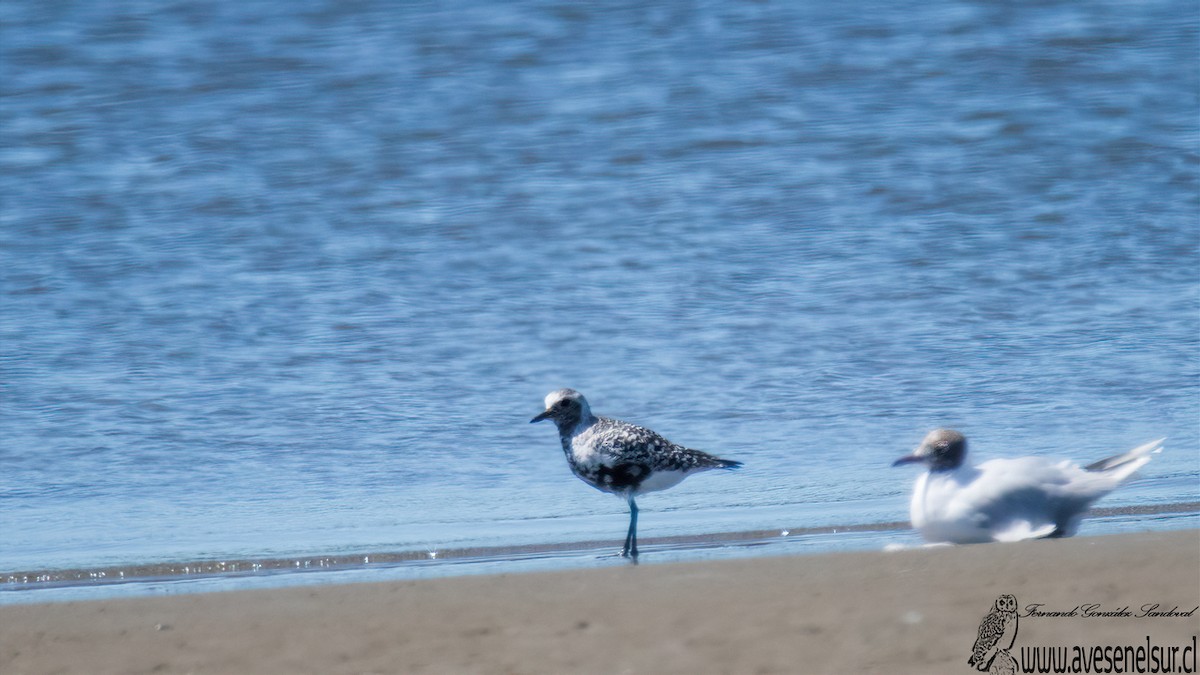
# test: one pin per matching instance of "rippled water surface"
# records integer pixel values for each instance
(289, 279)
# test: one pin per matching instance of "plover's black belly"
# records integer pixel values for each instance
(619, 478)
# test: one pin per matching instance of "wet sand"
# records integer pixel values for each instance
(913, 611)
(195, 569)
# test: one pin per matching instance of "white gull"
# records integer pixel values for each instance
(1007, 499)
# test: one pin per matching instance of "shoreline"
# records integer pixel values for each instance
(913, 610)
(31, 581)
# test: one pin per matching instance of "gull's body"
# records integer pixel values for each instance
(621, 458)
(1008, 499)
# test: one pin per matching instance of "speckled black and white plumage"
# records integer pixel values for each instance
(621, 458)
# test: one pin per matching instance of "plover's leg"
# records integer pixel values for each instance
(630, 550)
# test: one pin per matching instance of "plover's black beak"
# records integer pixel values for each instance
(909, 459)
(539, 418)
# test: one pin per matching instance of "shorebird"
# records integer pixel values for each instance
(1007, 499)
(621, 458)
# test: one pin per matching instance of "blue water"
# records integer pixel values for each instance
(291, 278)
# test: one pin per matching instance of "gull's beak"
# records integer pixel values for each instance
(539, 418)
(917, 455)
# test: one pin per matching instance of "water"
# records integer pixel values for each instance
(289, 279)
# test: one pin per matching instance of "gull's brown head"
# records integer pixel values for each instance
(942, 450)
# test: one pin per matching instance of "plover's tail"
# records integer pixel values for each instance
(680, 458)
(1123, 465)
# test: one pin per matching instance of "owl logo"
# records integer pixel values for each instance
(997, 632)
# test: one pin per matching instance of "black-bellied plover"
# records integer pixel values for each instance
(621, 458)
(1007, 499)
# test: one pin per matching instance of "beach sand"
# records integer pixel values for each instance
(911, 611)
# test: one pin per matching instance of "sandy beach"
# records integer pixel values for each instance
(911, 611)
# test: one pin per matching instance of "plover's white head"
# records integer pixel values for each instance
(566, 407)
(942, 450)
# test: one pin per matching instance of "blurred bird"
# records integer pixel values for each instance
(1007, 499)
(621, 458)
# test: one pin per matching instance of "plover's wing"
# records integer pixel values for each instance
(616, 442)
(679, 458)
